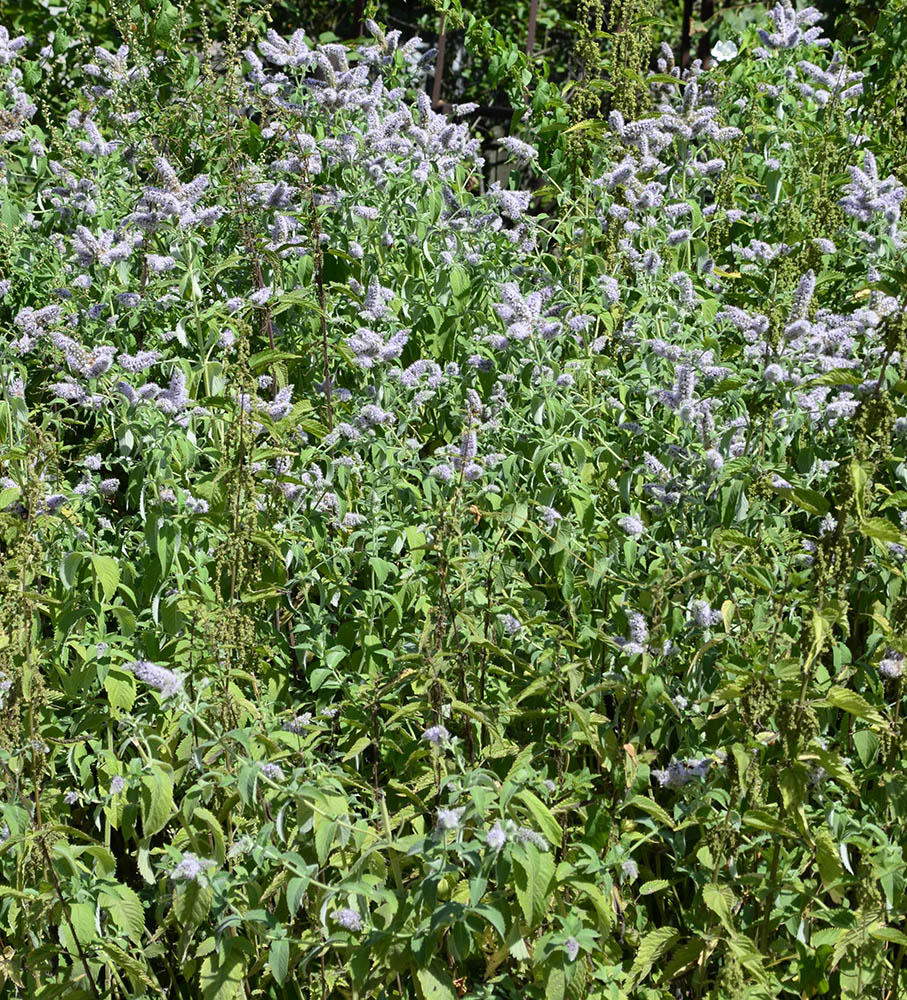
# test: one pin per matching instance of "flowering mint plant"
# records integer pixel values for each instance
(422, 581)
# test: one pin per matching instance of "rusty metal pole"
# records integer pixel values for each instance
(533, 19)
(439, 63)
(686, 33)
(704, 49)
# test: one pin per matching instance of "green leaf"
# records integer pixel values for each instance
(472, 713)
(719, 899)
(793, 782)
(542, 815)
(325, 831)
(108, 574)
(603, 903)
(357, 748)
(221, 976)
(84, 923)
(729, 537)
(652, 808)
(296, 888)
(831, 870)
(167, 546)
(760, 819)
(839, 376)
(748, 955)
(156, 801)
(494, 917)
(684, 957)
(758, 575)
(137, 971)
(166, 21)
(69, 568)
(382, 569)
(835, 766)
(516, 516)
(556, 983)
(107, 864)
(215, 829)
(246, 782)
(126, 910)
(416, 541)
(855, 704)
(459, 282)
(655, 944)
(859, 478)
(889, 934)
(143, 860)
(279, 959)
(653, 885)
(534, 881)
(867, 746)
(191, 903)
(808, 500)
(880, 528)
(120, 688)
(125, 618)
(435, 984)
(336, 655)
(9, 496)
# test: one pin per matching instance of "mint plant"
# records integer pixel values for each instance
(421, 585)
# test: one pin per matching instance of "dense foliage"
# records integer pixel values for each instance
(420, 586)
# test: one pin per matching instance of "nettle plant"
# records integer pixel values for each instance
(418, 587)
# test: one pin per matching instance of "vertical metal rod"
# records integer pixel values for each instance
(533, 18)
(686, 33)
(704, 49)
(439, 63)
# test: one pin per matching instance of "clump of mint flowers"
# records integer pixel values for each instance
(168, 682)
(891, 666)
(348, 919)
(436, 735)
(191, 868)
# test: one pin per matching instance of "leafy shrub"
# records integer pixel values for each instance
(419, 587)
